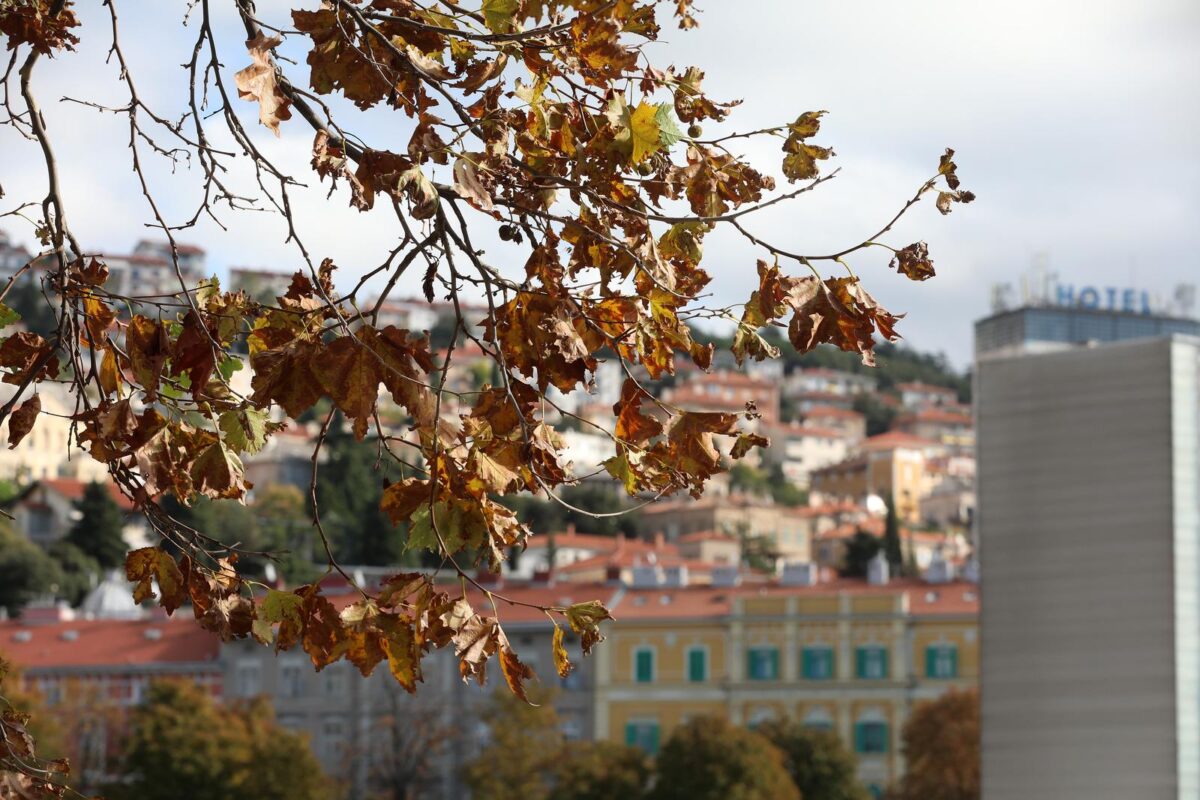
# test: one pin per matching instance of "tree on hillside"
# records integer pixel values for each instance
(527, 167)
(942, 749)
(859, 550)
(98, 531)
(891, 538)
(709, 758)
(26, 572)
(879, 415)
(181, 738)
(348, 498)
(79, 571)
(820, 765)
(522, 748)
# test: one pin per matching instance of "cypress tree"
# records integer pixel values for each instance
(98, 531)
(891, 538)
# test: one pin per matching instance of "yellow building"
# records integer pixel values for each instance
(891, 464)
(846, 656)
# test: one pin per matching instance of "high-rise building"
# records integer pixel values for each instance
(1045, 328)
(1089, 530)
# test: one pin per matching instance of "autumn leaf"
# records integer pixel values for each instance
(20, 423)
(217, 472)
(258, 83)
(152, 564)
(585, 619)
(245, 429)
(914, 262)
(562, 662)
(515, 672)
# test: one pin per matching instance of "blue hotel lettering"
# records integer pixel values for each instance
(1115, 299)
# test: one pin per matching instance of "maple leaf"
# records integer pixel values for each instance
(585, 619)
(20, 423)
(245, 429)
(148, 346)
(800, 163)
(515, 672)
(29, 357)
(153, 564)
(914, 262)
(217, 472)
(258, 83)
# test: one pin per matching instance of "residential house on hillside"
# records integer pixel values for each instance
(727, 391)
(738, 515)
(821, 380)
(925, 546)
(917, 395)
(850, 423)
(45, 511)
(799, 449)
(891, 464)
(49, 450)
(952, 428)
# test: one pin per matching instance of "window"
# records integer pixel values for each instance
(291, 679)
(697, 661)
(643, 734)
(248, 678)
(872, 663)
(332, 739)
(335, 680)
(875, 790)
(818, 720)
(871, 737)
(643, 665)
(762, 664)
(941, 661)
(817, 663)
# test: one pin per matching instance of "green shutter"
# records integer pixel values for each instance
(883, 651)
(930, 661)
(860, 666)
(630, 734)
(807, 668)
(645, 666)
(696, 665)
(886, 738)
(652, 744)
(774, 656)
(860, 737)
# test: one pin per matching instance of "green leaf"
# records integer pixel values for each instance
(229, 366)
(645, 136)
(500, 15)
(668, 131)
(245, 430)
(7, 316)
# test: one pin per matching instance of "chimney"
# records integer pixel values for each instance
(570, 529)
(799, 573)
(878, 570)
(940, 570)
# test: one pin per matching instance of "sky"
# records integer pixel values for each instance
(1075, 123)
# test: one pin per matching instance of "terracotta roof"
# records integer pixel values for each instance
(927, 388)
(584, 541)
(72, 489)
(706, 536)
(938, 415)
(894, 439)
(798, 429)
(876, 526)
(107, 643)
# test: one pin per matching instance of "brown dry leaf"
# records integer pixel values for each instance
(258, 82)
(20, 423)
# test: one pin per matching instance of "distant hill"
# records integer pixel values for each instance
(896, 364)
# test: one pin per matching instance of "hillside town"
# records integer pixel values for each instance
(830, 578)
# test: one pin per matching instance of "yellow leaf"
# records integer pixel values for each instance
(644, 132)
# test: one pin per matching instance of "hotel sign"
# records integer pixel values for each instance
(1108, 298)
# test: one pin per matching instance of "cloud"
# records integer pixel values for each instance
(1074, 122)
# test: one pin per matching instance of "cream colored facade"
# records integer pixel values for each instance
(849, 657)
(47, 451)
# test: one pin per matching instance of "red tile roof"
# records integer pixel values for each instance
(107, 643)
(894, 439)
(72, 489)
(833, 411)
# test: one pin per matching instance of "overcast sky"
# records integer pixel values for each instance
(1076, 123)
